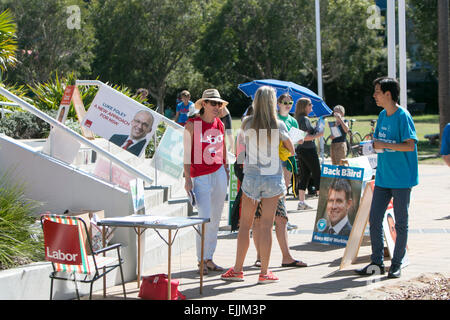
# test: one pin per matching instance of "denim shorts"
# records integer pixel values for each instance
(260, 186)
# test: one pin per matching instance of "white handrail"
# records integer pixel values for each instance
(42, 115)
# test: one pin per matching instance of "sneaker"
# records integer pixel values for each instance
(290, 226)
(268, 278)
(303, 206)
(230, 275)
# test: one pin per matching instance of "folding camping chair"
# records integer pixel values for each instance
(65, 248)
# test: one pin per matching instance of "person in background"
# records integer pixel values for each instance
(397, 172)
(206, 171)
(338, 149)
(445, 144)
(263, 180)
(309, 164)
(182, 109)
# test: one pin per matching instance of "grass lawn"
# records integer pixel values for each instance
(425, 124)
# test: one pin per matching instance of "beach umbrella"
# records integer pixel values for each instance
(296, 91)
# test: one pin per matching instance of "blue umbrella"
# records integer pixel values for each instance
(319, 106)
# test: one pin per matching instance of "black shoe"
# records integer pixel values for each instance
(395, 271)
(371, 269)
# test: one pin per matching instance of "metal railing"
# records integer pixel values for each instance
(53, 122)
(167, 121)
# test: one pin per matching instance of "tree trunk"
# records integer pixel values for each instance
(443, 68)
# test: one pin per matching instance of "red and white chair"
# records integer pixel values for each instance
(65, 248)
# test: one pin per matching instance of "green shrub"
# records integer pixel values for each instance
(24, 125)
(21, 239)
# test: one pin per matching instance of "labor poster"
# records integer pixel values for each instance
(340, 192)
(121, 120)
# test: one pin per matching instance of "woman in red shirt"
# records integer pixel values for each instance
(206, 170)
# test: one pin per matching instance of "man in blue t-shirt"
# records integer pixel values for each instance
(182, 110)
(397, 172)
(445, 145)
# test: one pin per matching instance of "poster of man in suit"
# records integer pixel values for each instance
(340, 192)
(121, 120)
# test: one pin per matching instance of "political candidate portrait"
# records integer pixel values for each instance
(339, 203)
(141, 125)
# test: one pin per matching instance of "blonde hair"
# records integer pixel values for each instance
(264, 110)
(340, 109)
(300, 107)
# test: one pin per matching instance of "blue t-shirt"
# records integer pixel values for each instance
(445, 145)
(183, 110)
(396, 169)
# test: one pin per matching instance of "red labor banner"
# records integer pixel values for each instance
(61, 243)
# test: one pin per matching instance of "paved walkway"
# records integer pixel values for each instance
(429, 236)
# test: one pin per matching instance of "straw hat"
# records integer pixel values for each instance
(210, 94)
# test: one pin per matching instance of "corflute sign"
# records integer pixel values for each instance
(57, 248)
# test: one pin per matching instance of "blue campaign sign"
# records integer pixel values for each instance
(340, 192)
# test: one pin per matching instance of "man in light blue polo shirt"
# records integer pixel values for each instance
(397, 173)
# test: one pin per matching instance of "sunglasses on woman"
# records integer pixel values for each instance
(287, 102)
(214, 103)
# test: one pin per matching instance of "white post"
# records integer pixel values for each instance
(319, 67)
(319, 53)
(392, 72)
(402, 53)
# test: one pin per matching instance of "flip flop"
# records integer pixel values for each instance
(295, 263)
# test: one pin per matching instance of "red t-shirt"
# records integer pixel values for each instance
(207, 147)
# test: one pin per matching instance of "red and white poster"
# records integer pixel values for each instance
(121, 120)
(57, 248)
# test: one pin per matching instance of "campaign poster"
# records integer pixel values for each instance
(340, 193)
(113, 173)
(138, 195)
(121, 120)
(168, 157)
(390, 234)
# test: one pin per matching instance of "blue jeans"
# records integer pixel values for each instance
(380, 202)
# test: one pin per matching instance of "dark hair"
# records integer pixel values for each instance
(342, 185)
(388, 84)
(283, 96)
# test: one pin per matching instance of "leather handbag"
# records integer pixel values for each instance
(154, 287)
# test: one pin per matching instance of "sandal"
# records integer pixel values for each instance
(257, 263)
(214, 267)
(295, 263)
(205, 268)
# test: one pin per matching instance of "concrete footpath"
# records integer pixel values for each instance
(429, 236)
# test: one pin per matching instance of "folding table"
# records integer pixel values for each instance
(142, 222)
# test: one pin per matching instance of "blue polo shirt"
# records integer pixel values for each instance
(445, 145)
(396, 169)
